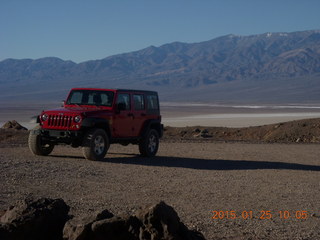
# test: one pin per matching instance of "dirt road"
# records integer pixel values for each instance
(195, 178)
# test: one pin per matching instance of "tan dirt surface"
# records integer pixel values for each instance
(195, 178)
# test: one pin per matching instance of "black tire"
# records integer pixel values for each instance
(149, 144)
(95, 144)
(37, 146)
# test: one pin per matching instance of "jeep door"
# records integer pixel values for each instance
(139, 112)
(122, 124)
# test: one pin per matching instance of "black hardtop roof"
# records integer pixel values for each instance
(116, 90)
(136, 90)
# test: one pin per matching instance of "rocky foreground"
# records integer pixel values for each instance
(48, 219)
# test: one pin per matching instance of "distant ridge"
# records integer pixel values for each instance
(270, 67)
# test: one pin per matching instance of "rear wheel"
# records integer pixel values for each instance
(149, 144)
(95, 144)
(37, 146)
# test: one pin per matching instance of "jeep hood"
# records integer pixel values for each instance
(76, 110)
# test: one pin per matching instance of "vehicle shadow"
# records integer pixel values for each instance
(208, 164)
(198, 163)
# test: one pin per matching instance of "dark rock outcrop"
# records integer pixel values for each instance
(48, 219)
(156, 222)
(119, 228)
(36, 220)
(13, 125)
(80, 229)
(162, 222)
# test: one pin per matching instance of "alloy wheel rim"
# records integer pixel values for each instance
(152, 143)
(99, 145)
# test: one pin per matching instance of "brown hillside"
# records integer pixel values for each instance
(307, 131)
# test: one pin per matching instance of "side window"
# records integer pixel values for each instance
(152, 102)
(106, 99)
(138, 101)
(124, 99)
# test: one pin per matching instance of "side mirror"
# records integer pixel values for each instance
(63, 103)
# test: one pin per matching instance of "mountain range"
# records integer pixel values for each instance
(266, 68)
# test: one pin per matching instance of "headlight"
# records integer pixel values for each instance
(77, 119)
(44, 117)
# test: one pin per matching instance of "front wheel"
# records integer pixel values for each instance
(95, 144)
(149, 144)
(37, 146)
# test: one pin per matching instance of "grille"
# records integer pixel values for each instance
(59, 121)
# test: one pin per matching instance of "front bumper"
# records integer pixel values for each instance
(59, 136)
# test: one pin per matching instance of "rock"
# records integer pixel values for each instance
(197, 130)
(2, 212)
(13, 125)
(162, 222)
(80, 229)
(119, 228)
(314, 139)
(41, 219)
(183, 133)
(48, 219)
(156, 222)
(205, 133)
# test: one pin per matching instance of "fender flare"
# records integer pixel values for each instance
(96, 122)
(155, 124)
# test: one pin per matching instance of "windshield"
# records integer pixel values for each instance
(91, 97)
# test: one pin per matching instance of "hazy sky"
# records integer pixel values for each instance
(80, 30)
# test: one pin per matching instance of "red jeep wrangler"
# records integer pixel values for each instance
(94, 118)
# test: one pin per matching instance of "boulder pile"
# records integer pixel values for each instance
(13, 125)
(40, 219)
(48, 219)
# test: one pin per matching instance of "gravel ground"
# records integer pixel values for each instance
(195, 178)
